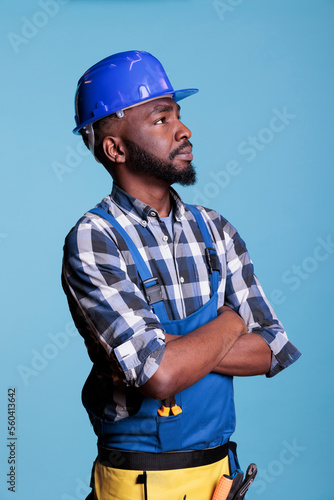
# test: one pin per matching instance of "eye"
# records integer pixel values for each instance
(160, 121)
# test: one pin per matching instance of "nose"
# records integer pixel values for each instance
(182, 132)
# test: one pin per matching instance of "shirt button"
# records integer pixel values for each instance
(144, 223)
(165, 237)
(153, 214)
(182, 279)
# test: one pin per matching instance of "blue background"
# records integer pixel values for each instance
(249, 58)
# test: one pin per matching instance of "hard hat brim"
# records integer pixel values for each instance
(177, 95)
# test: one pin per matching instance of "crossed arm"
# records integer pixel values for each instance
(221, 346)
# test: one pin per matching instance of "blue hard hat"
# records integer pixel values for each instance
(121, 81)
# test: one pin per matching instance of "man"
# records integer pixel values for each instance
(164, 295)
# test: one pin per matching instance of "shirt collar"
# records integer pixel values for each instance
(138, 209)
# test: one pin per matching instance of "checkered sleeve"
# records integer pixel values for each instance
(96, 280)
(245, 295)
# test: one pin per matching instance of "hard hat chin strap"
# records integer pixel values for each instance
(90, 134)
(90, 137)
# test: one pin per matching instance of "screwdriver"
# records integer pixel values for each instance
(223, 488)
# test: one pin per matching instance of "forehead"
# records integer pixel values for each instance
(151, 108)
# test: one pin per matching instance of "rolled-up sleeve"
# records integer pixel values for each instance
(245, 295)
(109, 305)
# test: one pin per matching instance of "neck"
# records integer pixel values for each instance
(151, 191)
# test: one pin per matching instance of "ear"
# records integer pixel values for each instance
(113, 149)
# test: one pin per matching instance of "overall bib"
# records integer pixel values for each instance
(207, 419)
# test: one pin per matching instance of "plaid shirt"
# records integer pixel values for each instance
(124, 337)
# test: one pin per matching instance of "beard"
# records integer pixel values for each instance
(143, 161)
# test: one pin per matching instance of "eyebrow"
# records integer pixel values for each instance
(162, 108)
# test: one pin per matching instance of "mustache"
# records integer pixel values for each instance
(178, 150)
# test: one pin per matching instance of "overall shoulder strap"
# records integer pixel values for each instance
(210, 252)
(151, 285)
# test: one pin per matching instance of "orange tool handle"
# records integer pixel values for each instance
(223, 488)
(164, 411)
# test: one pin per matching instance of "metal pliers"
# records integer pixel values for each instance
(235, 487)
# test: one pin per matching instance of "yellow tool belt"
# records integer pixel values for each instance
(190, 483)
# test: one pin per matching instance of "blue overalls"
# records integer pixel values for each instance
(207, 419)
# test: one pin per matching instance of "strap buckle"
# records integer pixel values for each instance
(212, 259)
(153, 292)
